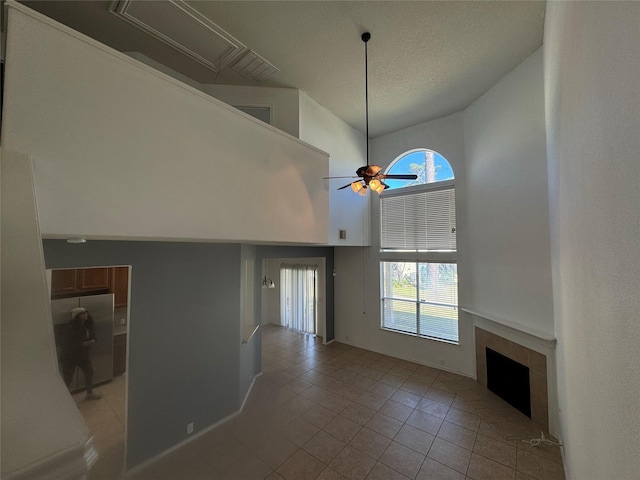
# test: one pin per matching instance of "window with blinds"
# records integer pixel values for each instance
(418, 269)
(420, 298)
(424, 221)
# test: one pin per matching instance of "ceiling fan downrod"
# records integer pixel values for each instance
(366, 36)
(370, 177)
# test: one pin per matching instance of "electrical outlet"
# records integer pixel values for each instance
(122, 321)
(189, 428)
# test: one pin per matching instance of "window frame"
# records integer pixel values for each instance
(419, 303)
(417, 256)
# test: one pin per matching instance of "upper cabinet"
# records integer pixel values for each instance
(93, 278)
(83, 281)
(88, 281)
(63, 282)
(120, 285)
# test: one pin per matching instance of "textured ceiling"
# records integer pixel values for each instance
(426, 59)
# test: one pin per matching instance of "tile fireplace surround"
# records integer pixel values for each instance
(535, 361)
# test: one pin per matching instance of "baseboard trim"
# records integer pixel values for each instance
(177, 446)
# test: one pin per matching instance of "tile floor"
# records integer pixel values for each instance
(106, 420)
(333, 412)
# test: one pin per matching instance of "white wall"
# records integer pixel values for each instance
(507, 218)
(347, 150)
(357, 289)
(298, 114)
(34, 397)
(592, 75)
(123, 151)
(271, 296)
(284, 103)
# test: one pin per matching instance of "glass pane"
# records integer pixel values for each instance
(399, 315)
(434, 313)
(428, 165)
(439, 300)
(399, 280)
(439, 283)
(438, 322)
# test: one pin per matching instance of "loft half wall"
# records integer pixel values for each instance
(122, 151)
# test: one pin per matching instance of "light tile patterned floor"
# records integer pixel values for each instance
(106, 419)
(334, 412)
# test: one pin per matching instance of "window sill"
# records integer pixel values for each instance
(423, 337)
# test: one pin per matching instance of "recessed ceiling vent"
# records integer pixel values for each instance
(187, 30)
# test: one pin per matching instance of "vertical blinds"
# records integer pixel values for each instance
(423, 221)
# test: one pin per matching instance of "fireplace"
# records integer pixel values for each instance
(531, 368)
(509, 380)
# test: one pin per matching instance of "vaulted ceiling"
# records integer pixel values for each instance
(426, 59)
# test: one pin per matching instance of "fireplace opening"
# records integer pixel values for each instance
(509, 380)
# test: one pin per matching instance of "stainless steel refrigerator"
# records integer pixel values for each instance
(100, 308)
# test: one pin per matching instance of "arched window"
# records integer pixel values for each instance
(418, 249)
(430, 167)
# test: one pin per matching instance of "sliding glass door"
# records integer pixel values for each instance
(298, 294)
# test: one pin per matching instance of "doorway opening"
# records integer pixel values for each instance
(105, 293)
(298, 297)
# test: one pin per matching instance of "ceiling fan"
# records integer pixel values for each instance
(370, 176)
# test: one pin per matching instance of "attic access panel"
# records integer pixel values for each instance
(183, 28)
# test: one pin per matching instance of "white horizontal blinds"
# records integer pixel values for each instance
(422, 221)
(438, 301)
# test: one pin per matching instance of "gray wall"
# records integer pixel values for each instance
(251, 352)
(184, 334)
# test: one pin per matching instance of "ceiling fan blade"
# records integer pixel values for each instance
(399, 176)
(329, 178)
(347, 185)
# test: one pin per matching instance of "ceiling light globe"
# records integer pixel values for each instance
(356, 187)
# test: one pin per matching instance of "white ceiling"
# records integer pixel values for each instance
(426, 59)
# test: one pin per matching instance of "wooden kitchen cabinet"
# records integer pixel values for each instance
(63, 282)
(80, 281)
(93, 278)
(120, 286)
(119, 354)
(88, 281)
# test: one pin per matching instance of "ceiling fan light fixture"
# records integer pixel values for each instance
(363, 191)
(357, 186)
(377, 186)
